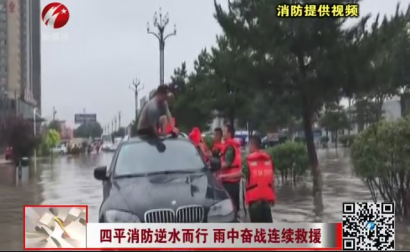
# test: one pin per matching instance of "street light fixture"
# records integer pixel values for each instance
(160, 22)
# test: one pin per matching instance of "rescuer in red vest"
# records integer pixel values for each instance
(258, 171)
(196, 138)
(231, 170)
(217, 145)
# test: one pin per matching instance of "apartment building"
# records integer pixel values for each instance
(30, 21)
(20, 61)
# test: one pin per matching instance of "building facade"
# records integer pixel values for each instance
(20, 60)
(30, 21)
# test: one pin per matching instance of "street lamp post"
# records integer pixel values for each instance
(136, 87)
(54, 113)
(35, 130)
(160, 22)
(34, 122)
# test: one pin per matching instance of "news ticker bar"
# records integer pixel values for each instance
(215, 235)
(66, 227)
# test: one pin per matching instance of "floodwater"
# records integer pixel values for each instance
(70, 181)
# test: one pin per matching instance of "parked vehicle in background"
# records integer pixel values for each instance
(243, 136)
(60, 149)
(9, 153)
(106, 142)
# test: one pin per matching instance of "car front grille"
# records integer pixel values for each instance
(190, 214)
(160, 216)
(186, 214)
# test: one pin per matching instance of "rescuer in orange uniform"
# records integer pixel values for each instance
(196, 138)
(258, 171)
(230, 173)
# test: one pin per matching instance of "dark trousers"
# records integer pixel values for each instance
(260, 211)
(233, 190)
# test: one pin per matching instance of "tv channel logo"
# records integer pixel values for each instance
(55, 226)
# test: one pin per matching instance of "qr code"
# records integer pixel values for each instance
(368, 226)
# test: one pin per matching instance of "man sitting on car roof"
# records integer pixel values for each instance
(156, 113)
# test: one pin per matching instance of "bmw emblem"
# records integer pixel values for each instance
(173, 202)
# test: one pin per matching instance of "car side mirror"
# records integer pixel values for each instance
(215, 164)
(100, 173)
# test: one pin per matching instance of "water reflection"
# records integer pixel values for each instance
(70, 180)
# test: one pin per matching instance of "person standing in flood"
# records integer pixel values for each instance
(231, 160)
(258, 171)
(217, 142)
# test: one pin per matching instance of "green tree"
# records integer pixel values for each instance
(228, 88)
(19, 135)
(364, 113)
(381, 156)
(190, 106)
(86, 130)
(334, 120)
(51, 139)
(54, 125)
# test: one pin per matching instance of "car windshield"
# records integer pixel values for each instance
(141, 158)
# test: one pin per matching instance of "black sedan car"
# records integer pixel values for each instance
(164, 180)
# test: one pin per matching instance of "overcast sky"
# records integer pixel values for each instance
(105, 46)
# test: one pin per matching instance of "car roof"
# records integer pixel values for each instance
(143, 138)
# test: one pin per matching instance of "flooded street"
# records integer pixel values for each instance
(70, 181)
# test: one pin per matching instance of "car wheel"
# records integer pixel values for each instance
(61, 152)
(6, 158)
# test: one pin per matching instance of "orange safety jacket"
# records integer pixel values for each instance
(236, 165)
(261, 177)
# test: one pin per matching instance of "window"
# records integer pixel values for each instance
(143, 157)
(3, 41)
(3, 17)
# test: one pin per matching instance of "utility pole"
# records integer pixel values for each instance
(160, 23)
(54, 113)
(86, 125)
(112, 127)
(115, 124)
(119, 119)
(136, 86)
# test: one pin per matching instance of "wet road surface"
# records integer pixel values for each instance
(70, 180)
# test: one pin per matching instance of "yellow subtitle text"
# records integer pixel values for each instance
(318, 10)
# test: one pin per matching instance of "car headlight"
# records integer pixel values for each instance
(222, 208)
(116, 216)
